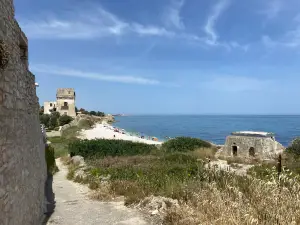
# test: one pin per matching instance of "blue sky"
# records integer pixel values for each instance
(167, 56)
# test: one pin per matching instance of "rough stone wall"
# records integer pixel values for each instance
(264, 147)
(22, 153)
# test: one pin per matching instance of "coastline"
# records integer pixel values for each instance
(107, 131)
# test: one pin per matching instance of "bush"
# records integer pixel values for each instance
(184, 144)
(294, 148)
(93, 113)
(101, 114)
(50, 160)
(102, 148)
(64, 119)
(44, 119)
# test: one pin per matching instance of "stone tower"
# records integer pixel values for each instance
(65, 101)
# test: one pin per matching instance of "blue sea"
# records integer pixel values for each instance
(212, 128)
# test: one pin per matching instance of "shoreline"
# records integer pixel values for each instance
(107, 131)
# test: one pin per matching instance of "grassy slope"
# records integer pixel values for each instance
(60, 144)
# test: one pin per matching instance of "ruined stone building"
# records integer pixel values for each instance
(251, 144)
(65, 102)
(22, 149)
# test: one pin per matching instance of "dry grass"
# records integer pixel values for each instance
(260, 203)
(103, 193)
(240, 160)
(71, 172)
(204, 153)
(65, 160)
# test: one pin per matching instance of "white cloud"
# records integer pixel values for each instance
(88, 24)
(229, 83)
(212, 38)
(44, 69)
(273, 8)
(234, 44)
(172, 16)
(95, 22)
(151, 30)
(218, 9)
(291, 39)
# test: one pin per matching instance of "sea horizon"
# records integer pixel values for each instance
(214, 128)
(207, 114)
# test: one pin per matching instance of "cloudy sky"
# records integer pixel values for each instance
(167, 56)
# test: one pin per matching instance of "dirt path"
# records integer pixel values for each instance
(73, 207)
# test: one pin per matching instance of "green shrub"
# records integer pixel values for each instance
(44, 119)
(64, 119)
(60, 145)
(101, 114)
(50, 160)
(294, 148)
(53, 121)
(184, 144)
(93, 113)
(102, 148)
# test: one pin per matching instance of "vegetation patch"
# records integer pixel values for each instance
(101, 147)
(184, 144)
(60, 146)
(50, 160)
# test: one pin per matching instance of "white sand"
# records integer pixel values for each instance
(100, 131)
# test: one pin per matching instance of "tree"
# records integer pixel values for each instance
(102, 114)
(55, 114)
(93, 113)
(44, 119)
(83, 111)
(64, 119)
(53, 122)
(41, 111)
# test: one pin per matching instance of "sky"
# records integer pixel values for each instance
(167, 56)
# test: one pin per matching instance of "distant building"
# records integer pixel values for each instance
(49, 107)
(65, 102)
(251, 144)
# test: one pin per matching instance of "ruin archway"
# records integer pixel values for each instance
(251, 151)
(234, 150)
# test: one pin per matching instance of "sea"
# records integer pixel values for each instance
(213, 128)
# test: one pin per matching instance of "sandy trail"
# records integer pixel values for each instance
(106, 131)
(73, 207)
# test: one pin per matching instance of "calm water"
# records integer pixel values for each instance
(212, 128)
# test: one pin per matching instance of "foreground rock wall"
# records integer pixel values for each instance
(22, 153)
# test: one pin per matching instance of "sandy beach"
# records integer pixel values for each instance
(106, 131)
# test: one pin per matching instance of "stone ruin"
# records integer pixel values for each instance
(247, 144)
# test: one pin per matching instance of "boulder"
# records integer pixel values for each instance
(157, 204)
(78, 160)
